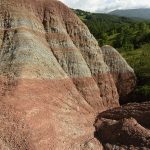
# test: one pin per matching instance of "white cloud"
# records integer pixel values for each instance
(106, 5)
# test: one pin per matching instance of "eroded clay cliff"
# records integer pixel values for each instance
(54, 78)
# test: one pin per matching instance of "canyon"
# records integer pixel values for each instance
(55, 80)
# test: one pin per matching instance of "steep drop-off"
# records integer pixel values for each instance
(54, 78)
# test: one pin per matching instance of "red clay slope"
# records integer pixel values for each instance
(53, 78)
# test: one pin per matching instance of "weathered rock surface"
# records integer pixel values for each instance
(53, 78)
(122, 73)
(127, 127)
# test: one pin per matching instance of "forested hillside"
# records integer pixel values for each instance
(131, 37)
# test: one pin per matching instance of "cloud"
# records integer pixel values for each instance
(106, 5)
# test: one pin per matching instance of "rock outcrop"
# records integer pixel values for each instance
(122, 73)
(127, 127)
(53, 78)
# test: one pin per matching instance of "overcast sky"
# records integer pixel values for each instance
(106, 5)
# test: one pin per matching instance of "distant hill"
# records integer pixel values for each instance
(133, 13)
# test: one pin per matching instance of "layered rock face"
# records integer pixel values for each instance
(53, 78)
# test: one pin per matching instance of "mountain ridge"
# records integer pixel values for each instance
(142, 13)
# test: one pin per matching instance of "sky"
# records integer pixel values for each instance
(106, 5)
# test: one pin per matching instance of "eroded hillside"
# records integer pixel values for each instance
(54, 78)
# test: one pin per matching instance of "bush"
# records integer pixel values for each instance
(144, 91)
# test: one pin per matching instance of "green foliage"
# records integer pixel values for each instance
(144, 90)
(139, 59)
